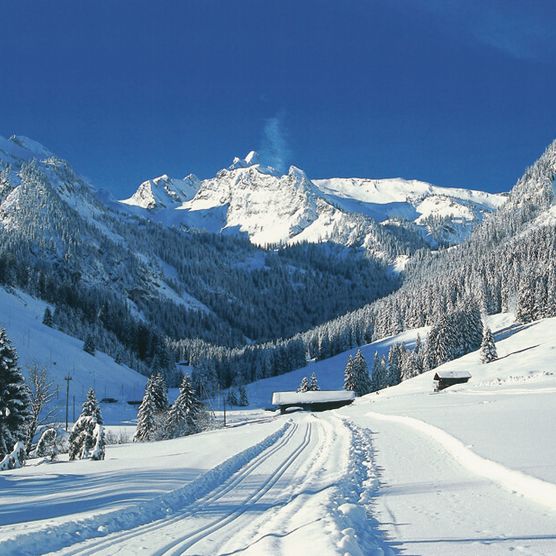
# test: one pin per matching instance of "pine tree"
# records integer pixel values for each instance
(89, 345)
(314, 384)
(84, 435)
(15, 403)
(379, 380)
(243, 399)
(488, 347)
(91, 407)
(525, 310)
(350, 381)
(394, 365)
(361, 373)
(47, 318)
(47, 446)
(160, 392)
(146, 422)
(99, 448)
(303, 385)
(82, 439)
(183, 415)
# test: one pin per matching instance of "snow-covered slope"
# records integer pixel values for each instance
(61, 355)
(272, 208)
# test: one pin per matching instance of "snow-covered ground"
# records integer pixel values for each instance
(470, 470)
(61, 355)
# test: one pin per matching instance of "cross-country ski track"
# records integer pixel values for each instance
(304, 479)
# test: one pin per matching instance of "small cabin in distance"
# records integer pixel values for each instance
(319, 400)
(445, 379)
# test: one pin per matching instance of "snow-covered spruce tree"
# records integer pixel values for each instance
(91, 407)
(89, 345)
(243, 399)
(15, 459)
(160, 392)
(379, 378)
(303, 385)
(394, 365)
(361, 373)
(82, 439)
(314, 383)
(488, 347)
(182, 417)
(47, 317)
(47, 445)
(15, 404)
(99, 448)
(525, 310)
(146, 415)
(87, 429)
(350, 381)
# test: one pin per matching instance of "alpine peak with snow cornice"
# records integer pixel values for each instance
(253, 198)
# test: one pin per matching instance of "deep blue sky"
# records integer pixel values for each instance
(449, 91)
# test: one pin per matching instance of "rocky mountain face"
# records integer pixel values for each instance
(271, 208)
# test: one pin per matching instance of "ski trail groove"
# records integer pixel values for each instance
(187, 541)
(57, 537)
(220, 491)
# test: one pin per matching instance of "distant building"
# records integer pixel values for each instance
(320, 400)
(444, 379)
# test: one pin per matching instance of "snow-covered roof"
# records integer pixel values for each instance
(452, 374)
(319, 396)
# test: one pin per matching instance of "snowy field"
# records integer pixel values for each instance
(470, 470)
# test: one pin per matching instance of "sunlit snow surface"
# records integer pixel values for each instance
(470, 470)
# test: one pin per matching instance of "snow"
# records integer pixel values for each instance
(60, 354)
(321, 396)
(470, 470)
(399, 190)
(164, 192)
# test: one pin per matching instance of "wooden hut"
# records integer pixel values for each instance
(319, 400)
(445, 379)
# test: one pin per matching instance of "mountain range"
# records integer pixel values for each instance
(254, 199)
(250, 255)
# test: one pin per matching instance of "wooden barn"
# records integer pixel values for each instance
(320, 400)
(445, 379)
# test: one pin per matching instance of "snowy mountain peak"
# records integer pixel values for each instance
(164, 192)
(251, 159)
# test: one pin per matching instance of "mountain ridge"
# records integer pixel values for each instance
(273, 208)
